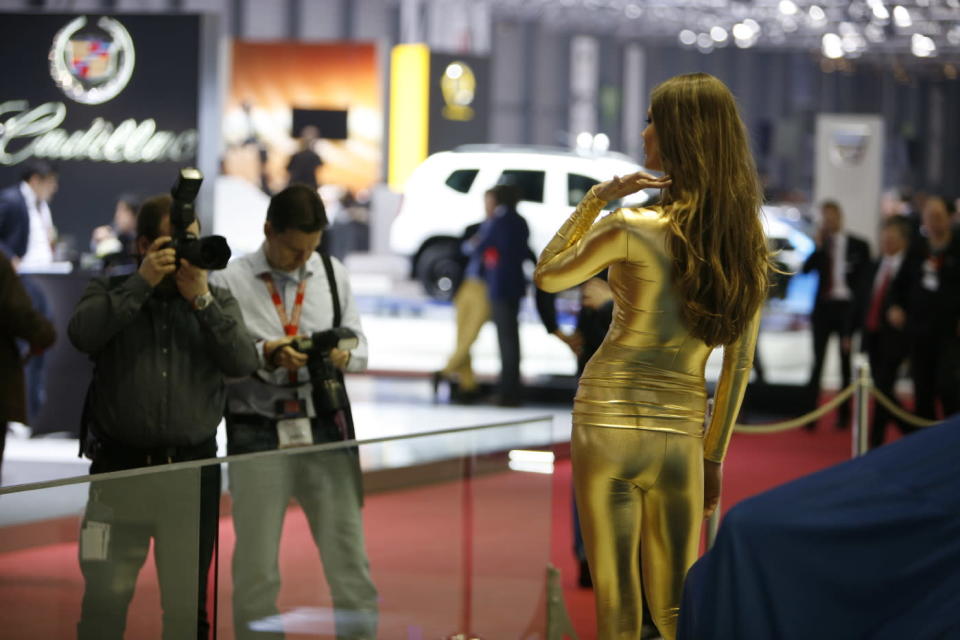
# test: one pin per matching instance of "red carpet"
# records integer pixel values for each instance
(415, 540)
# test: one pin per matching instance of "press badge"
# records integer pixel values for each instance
(293, 427)
(94, 540)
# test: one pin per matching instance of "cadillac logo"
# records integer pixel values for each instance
(92, 63)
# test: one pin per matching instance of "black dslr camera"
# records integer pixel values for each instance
(211, 252)
(329, 394)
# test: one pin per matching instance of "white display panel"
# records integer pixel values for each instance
(849, 168)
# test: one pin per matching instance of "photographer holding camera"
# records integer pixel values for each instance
(288, 291)
(163, 342)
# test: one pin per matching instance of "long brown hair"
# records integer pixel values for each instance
(720, 257)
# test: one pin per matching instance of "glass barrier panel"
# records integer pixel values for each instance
(413, 537)
(108, 556)
(449, 539)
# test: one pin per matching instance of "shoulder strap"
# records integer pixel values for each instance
(332, 281)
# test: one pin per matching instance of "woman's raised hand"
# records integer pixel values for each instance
(618, 187)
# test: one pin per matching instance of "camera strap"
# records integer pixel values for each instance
(332, 282)
(343, 419)
(292, 326)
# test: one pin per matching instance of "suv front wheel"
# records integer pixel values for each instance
(440, 269)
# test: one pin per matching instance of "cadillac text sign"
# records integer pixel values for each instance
(111, 99)
(35, 132)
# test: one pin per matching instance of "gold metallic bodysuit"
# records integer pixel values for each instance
(638, 442)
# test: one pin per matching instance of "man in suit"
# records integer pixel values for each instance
(926, 301)
(18, 321)
(27, 236)
(886, 345)
(840, 260)
(26, 227)
(502, 246)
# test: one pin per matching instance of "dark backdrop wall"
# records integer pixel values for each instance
(163, 88)
(781, 93)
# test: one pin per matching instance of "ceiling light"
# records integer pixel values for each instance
(817, 16)
(688, 38)
(922, 46)
(719, 34)
(753, 25)
(874, 33)
(787, 7)
(832, 46)
(789, 25)
(742, 31)
(853, 44)
(879, 11)
(633, 11)
(901, 16)
(953, 36)
(705, 42)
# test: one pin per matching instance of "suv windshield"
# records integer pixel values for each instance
(530, 183)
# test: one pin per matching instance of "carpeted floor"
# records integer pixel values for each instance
(416, 544)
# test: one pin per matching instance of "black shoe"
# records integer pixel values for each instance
(436, 379)
(460, 396)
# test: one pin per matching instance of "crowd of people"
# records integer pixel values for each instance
(903, 306)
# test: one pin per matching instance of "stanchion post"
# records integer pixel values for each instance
(861, 407)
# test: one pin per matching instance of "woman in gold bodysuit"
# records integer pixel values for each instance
(687, 275)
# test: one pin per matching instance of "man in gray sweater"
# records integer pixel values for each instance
(162, 341)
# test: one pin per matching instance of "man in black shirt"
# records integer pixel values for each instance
(162, 341)
(303, 165)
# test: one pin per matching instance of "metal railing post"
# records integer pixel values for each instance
(861, 408)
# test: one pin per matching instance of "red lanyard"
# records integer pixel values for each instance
(292, 327)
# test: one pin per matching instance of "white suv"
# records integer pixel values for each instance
(445, 195)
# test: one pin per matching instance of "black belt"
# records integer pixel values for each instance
(251, 419)
(138, 457)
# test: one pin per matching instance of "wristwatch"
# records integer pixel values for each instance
(202, 301)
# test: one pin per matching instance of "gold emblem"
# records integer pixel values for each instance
(459, 87)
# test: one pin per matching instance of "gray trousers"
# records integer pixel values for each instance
(324, 486)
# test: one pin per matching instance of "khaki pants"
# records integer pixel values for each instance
(473, 311)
